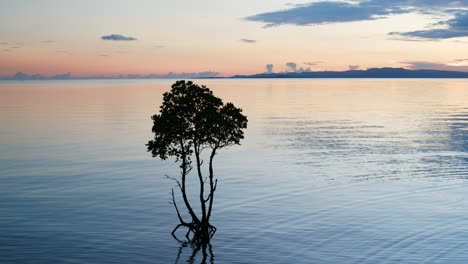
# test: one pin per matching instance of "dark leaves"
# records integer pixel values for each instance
(191, 115)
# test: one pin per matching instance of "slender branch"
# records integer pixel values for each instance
(208, 198)
(176, 180)
(177, 209)
(202, 184)
(212, 184)
(212, 231)
(183, 189)
(173, 232)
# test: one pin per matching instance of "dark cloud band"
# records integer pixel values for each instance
(454, 28)
(251, 41)
(325, 12)
(117, 37)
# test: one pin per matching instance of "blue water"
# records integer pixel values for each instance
(330, 171)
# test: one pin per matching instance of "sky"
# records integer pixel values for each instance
(224, 38)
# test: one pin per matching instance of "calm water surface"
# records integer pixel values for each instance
(331, 171)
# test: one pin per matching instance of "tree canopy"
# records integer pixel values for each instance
(193, 115)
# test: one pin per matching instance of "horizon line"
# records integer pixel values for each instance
(21, 76)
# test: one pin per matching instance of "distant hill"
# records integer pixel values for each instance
(369, 73)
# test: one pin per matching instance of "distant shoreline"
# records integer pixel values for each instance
(373, 73)
(238, 78)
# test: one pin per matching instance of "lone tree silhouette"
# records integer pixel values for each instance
(191, 119)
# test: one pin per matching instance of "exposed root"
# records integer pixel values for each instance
(201, 234)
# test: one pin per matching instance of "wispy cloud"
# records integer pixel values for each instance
(420, 65)
(453, 28)
(118, 37)
(312, 63)
(432, 34)
(159, 46)
(251, 41)
(354, 67)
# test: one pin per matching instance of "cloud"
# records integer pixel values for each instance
(251, 41)
(324, 12)
(354, 67)
(425, 65)
(4, 43)
(117, 37)
(269, 68)
(203, 74)
(312, 63)
(418, 4)
(454, 28)
(182, 75)
(433, 34)
(64, 76)
(292, 66)
(159, 46)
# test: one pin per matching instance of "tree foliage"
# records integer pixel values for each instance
(191, 119)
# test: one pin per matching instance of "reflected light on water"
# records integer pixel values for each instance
(330, 171)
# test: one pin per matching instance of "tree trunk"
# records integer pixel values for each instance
(200, 231)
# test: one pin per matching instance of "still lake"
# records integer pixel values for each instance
(330, 171)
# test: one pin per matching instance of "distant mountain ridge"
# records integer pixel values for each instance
(369, 73)
(386, 72)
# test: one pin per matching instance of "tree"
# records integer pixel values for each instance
(191, 120)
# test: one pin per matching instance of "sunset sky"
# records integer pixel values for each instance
(111, 37)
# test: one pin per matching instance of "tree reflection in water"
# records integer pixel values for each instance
(205, 252)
